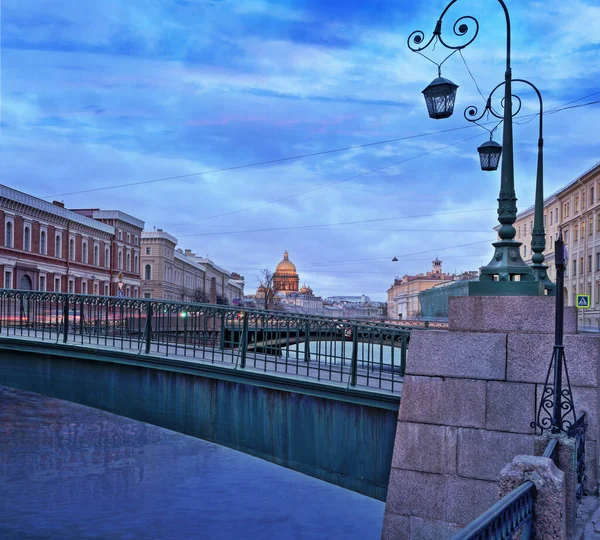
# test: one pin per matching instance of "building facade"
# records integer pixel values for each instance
(47, 247)
(575, 210)
(170, 273)
(403, 295)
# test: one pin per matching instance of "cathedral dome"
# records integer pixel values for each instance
(286, 266)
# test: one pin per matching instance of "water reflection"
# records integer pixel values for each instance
(69, 471)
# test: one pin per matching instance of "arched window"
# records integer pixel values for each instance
(120, 260)
(136, 264)
(72, 249)
(128, 262)
(57, 247)
(9, 234)
(107, 258)
(84, 253)
(27, 239)
(96, 255)
(148, 272)
(43, 242)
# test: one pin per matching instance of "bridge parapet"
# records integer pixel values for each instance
(356, 353)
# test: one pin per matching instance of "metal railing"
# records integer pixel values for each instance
(361, 354)
(512, 516)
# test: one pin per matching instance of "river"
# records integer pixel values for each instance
(73, 472)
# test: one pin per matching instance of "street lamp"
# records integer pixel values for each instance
(507, 273)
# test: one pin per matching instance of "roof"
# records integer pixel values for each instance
(59, 211)
(121, 216)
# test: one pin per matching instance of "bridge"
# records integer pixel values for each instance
(309, 393)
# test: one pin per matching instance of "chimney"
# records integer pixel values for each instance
(188, 252)
(58, 203)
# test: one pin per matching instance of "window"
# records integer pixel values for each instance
(27, 239)
(106, 291)
(128, 238)
(148, 272)
(531, 226)
(96, 256)
(128, 292)
(556, 216)
(56, 284)
(148, 250)
(128, 262)
(524, 251)
(8, 241)
(550, 218)
(575, 233)
(136, 264)
(57, 247)
(565, 236)
(577, 204)
(43, 283)
(589, 263)
(574, 267)
(120, 235)
(592, 195)
(84, 253)
(147, 295)
(135, 240)
(8, 280)
(71, 286)
(598, 261)
(581, 265)
(107, 258)
(591, 227)
(544, 220)
(84, 287)
(72, 249)
(524, 229)
(120, 261)
(583, 229)
(566, 209)
(96, 289)
(43, 243)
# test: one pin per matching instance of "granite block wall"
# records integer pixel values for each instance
(468, 399)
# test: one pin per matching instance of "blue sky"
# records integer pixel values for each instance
(98, 94)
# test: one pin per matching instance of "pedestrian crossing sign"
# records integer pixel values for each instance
(583, 301)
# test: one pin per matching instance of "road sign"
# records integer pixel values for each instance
(582, 301)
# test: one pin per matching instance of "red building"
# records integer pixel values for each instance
(46, 247)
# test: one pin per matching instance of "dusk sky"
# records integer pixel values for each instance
(101, 94)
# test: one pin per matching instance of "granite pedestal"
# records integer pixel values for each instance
(469, 396)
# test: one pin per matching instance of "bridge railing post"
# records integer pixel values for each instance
(354, 364)
(403, 348)
(307, 343)
(65, 318)
(244, 341)
(148, 326)
(222, 336)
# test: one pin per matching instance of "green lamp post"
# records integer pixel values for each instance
(506, 274)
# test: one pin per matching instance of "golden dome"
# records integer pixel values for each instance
(286, 266)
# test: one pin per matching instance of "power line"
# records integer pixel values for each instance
(373, 220)
(258, 163)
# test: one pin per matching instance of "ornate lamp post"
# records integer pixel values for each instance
(507, 274)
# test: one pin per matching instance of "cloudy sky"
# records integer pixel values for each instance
(99, 95)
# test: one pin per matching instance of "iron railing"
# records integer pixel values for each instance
(510, 517)
(361, 354)
(577, 431)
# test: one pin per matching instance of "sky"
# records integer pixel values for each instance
(101, 101)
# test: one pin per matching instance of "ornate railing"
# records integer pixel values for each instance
(577, 431)
(361, 354)
(510, 517)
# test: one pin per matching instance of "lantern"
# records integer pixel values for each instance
(489, 155)
(439, 97)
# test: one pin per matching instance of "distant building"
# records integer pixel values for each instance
(285, 278)
(304, 302)
(47, 247)
(403, 295)
(170, 273)
(356, 307)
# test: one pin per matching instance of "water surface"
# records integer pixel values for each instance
(73, 472)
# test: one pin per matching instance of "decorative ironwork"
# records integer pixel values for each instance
(511, 517)
(351, 352)
(556, 410)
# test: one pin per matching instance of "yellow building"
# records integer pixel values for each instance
(403, 295)
(576, 210)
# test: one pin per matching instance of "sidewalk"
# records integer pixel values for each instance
(588, 519)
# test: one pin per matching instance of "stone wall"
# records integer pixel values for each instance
(469, 396)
